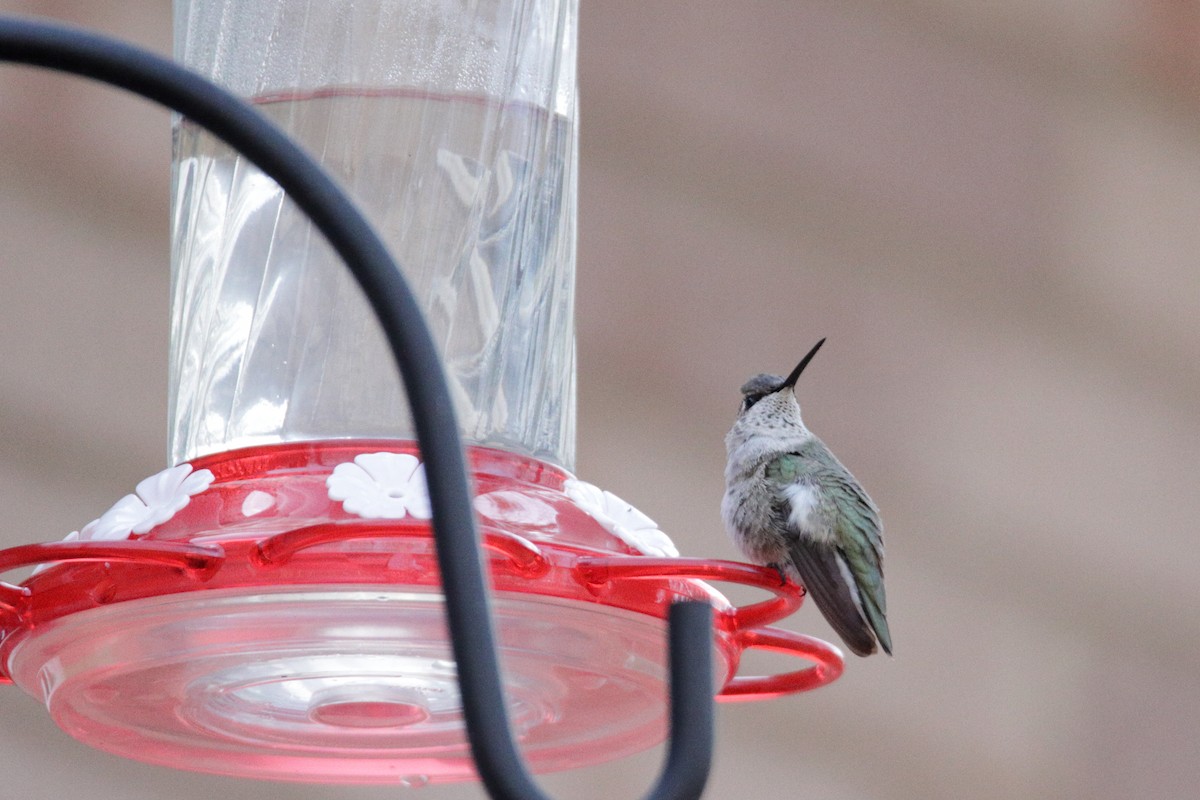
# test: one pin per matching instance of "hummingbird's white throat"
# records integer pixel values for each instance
(770, 426)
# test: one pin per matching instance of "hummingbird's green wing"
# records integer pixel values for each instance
(833, 532)
(860, 539)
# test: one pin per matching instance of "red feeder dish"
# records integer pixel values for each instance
(265, 629)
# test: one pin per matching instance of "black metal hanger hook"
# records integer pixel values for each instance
(689, 754)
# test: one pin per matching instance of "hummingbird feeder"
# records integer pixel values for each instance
(301, 594)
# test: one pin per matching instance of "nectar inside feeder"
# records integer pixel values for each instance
(270, 606)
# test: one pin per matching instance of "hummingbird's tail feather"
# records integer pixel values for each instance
(875, 615)
(827, 581)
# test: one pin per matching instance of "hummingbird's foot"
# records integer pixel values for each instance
(783, 579)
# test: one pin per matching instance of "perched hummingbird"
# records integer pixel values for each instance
(791, 505)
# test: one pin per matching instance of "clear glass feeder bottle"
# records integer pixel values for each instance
(453, 124)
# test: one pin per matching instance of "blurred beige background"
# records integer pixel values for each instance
(991, 210)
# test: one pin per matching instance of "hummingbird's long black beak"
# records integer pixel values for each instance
(790, 383)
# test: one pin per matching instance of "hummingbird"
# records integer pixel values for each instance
(791, 505)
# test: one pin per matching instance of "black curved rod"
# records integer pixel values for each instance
(689, 755)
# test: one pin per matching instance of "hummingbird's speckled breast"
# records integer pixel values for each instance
(748, 506)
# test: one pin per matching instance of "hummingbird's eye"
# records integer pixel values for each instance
(750, 399)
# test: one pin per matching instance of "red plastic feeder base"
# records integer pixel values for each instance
(286, 624)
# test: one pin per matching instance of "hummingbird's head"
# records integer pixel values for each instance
(765, 385)
(757, 388)
(769, 406)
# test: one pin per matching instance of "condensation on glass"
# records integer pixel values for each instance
(453, 124)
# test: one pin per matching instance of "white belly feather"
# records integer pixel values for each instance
(806, 514)
(802, 502)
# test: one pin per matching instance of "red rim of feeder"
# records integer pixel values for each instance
(188, 567)
(106, 572)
